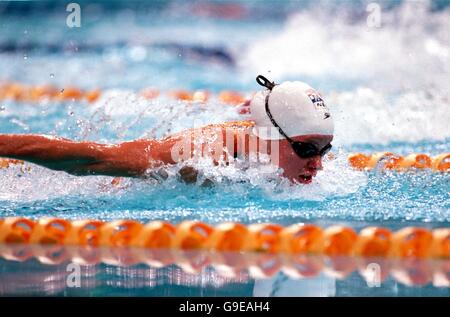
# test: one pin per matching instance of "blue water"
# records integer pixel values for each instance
(387, 88)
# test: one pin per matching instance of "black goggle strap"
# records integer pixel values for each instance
(269, 114)
(263, 81)
(326, 149)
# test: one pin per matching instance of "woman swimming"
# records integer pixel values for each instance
(290, 123)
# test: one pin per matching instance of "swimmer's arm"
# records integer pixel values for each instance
(129, 159)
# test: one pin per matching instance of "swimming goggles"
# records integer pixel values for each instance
(302, 149)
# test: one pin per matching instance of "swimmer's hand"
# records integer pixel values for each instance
(189, 175)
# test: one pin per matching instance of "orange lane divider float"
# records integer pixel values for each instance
(28, 93)
(411, 242)
(226, 96)
(412, 256)
(5, 163)
(391, 161)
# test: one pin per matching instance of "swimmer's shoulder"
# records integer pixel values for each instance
(234, 125)
(239, 124)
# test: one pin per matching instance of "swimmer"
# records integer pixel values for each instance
(290, 117)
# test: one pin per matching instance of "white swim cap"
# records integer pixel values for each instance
(295, 106)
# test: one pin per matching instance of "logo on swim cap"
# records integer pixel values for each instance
(316, 98)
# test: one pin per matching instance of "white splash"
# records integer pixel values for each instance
(409, 50)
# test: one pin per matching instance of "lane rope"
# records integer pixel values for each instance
(36, 93)
(409, 242)
(391, 161)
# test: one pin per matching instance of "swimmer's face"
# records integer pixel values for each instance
(299, 169)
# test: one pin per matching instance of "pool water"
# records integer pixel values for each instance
(387, 88)
(57, 271)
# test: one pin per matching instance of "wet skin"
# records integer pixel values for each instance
(135, 158)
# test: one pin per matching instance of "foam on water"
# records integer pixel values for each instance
(29, 182)
(410, 49)
(368, 116)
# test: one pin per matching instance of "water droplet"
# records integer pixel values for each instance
(71, 113)
(2, 108)
(25, 32)
(25, 56)
(52, 75)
